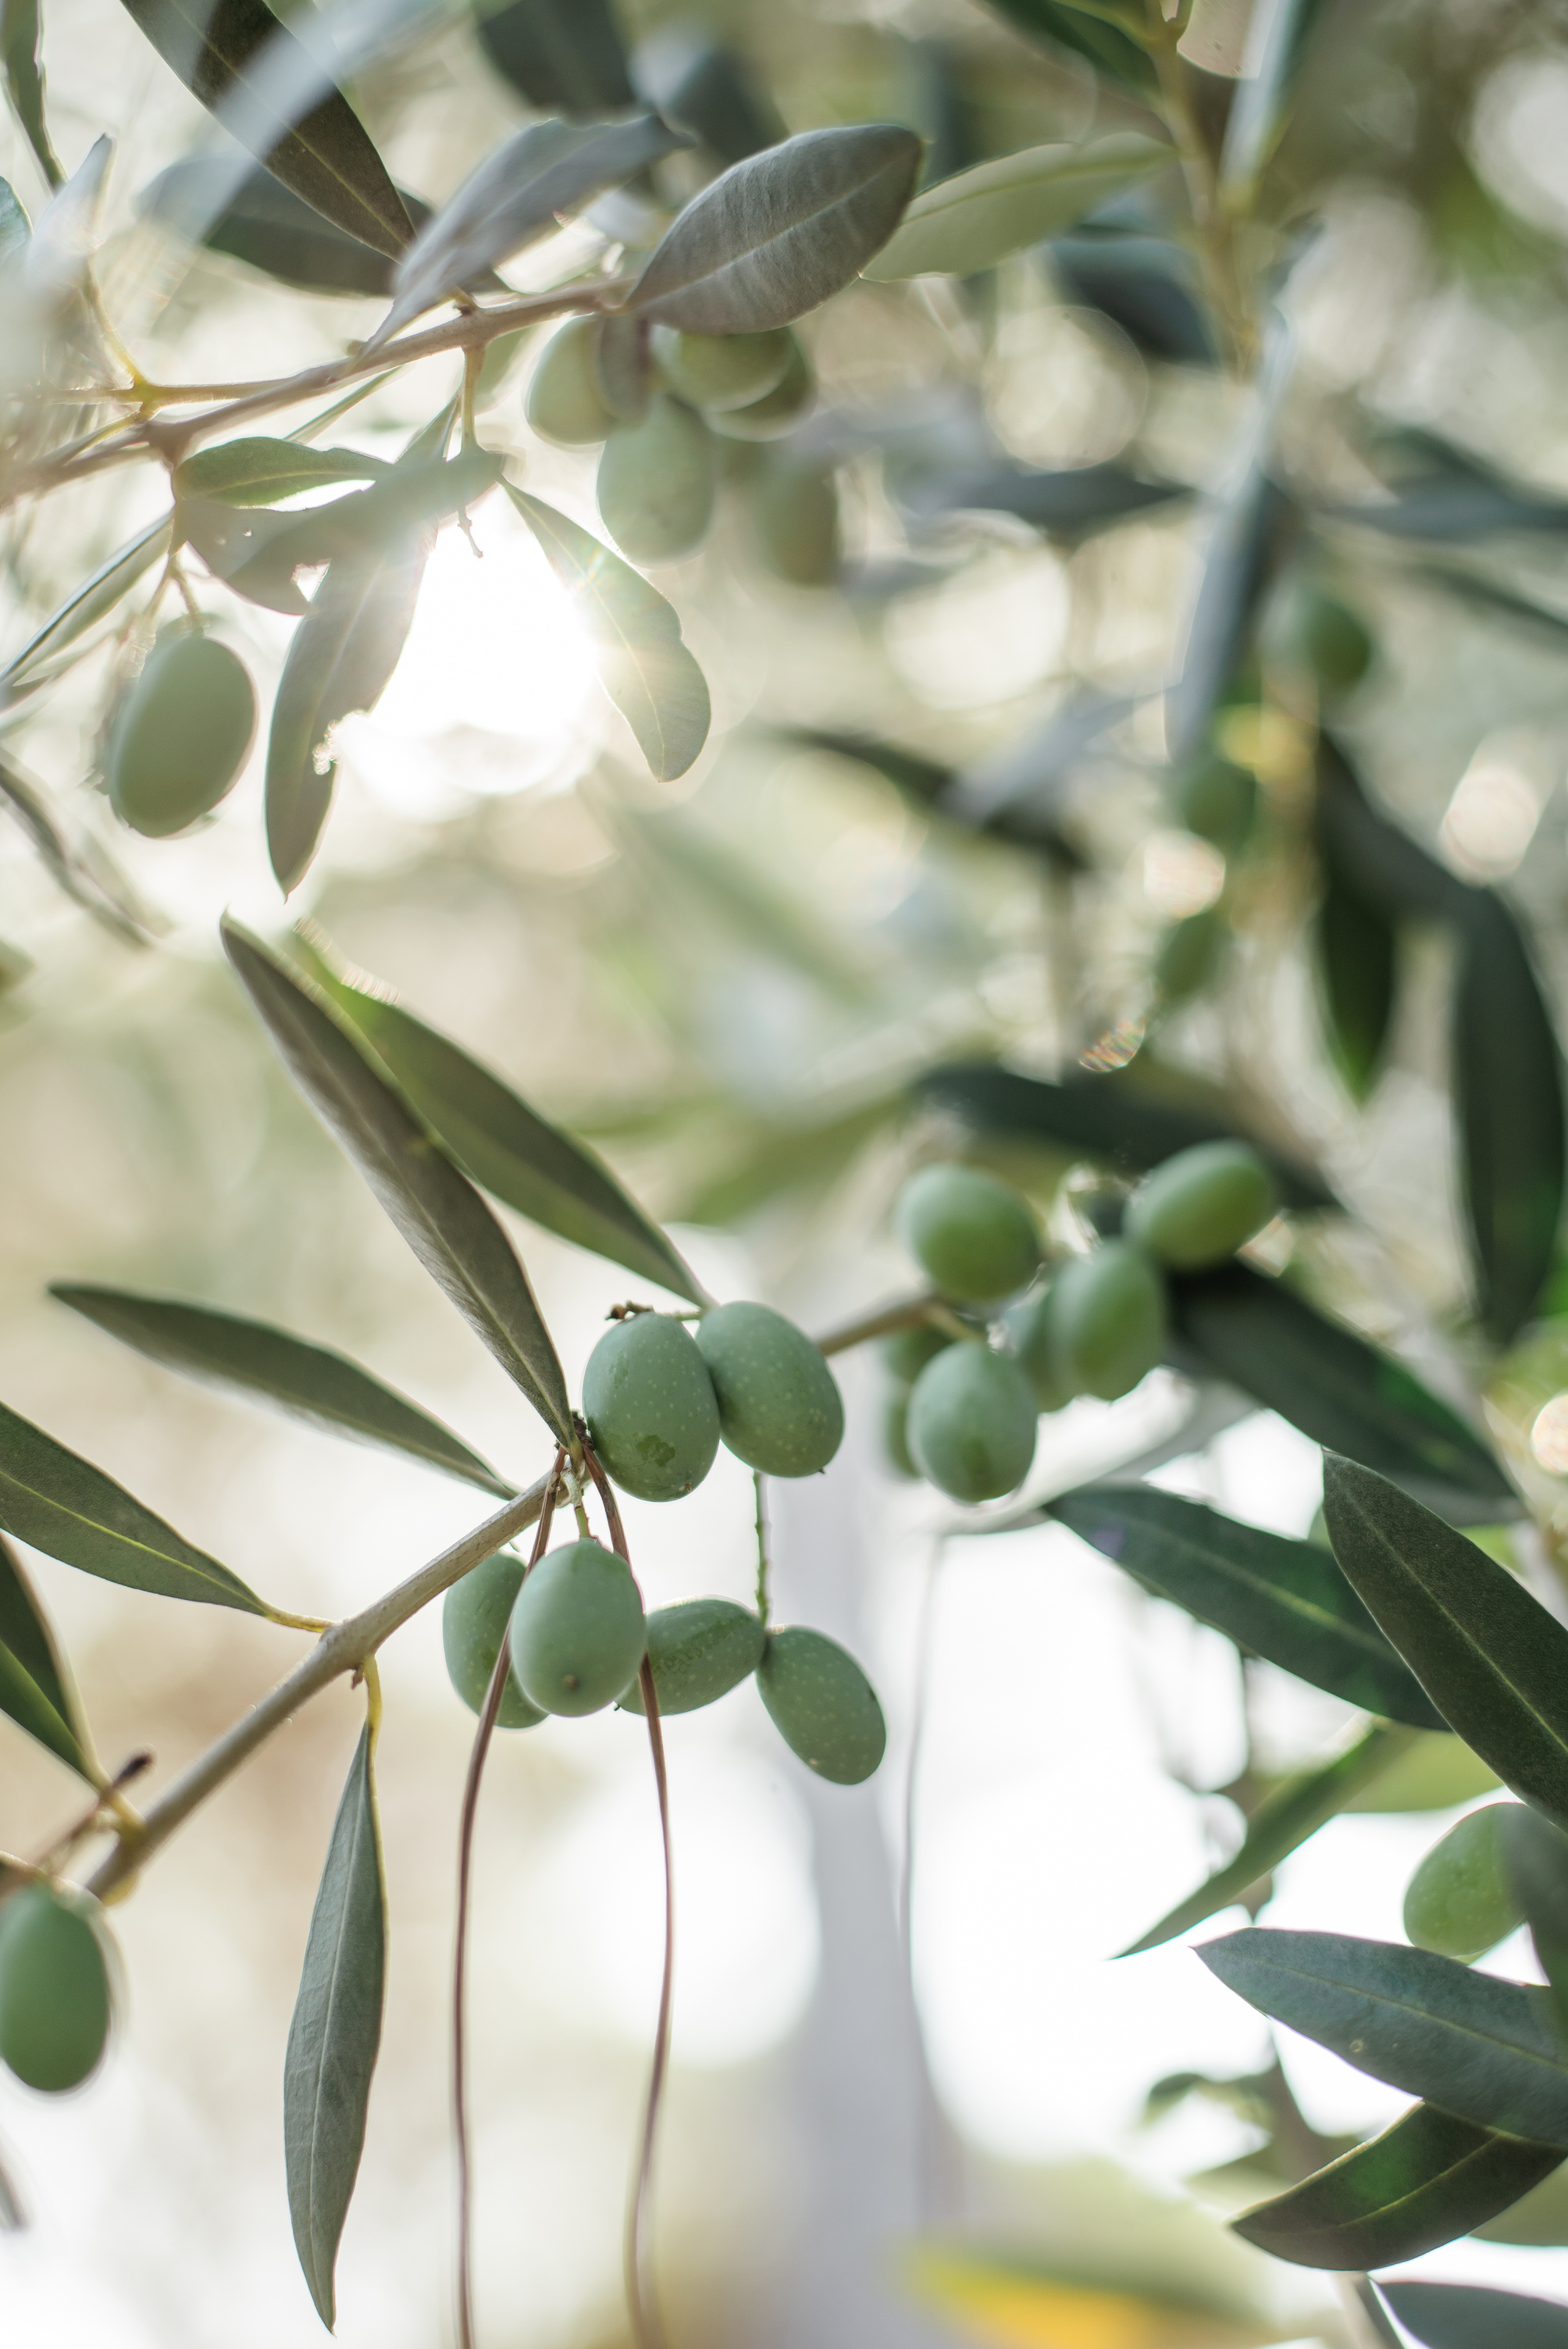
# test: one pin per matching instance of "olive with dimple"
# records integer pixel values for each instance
(779, 1409)
(700, 1651)
(973, 1422)
(650, 1407)
(656, 482)
(474, 1618)
(54, 1987)
(718, 372)
(1459, 1902)
(1188, 955)
(1217, 799)
(795, 512)
(181, 734)
(971, 1233)
(905, 1352)
(823, 1705)
(577, 1630)
(1108, 1320)
(1029, 1324)
(565, 402)
(1200, 1206)
(778, 410)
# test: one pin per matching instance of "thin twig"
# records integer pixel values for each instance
(903, 1313)
(763, 1561)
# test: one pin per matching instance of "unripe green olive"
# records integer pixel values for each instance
(1309, 629)
(1108, 1320)
(474, 1618)
(974, 1235)
(795, 512)
(895, 1433)
(577, 1630)
(700, 1651)
(779, 1409)
(1188, 955)
(656, 482)
(54, 1986)
(823, 1705)
(180, 736)
(778, 410)
(1217, 799)
(650, 1407)
(973, 1423)
(722, 371)
(1459, 1902)
(565, 403)
(905, 1352)
(1029, 1325)
(1200, 1206)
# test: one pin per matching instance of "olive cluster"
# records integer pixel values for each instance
(1006, 1344)
(180, 733)
(54, 2000)
(659, 1402)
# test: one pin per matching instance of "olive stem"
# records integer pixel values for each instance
(763, 1561)
(904, 1313)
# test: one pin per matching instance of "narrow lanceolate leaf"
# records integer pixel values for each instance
(34, 1689)
(1486, 2049)
(1535, 1857)
(505, 1146)
(1356, 947)
(310, 1383)
(776, 234)
(1469, 2316)
(1109, 50)
(259, 472)
(335, 2034)
(1492, 1659)
(976, 218)
(1069, 506)
(19, 32)
(89, 603)
(93, 882)
(63, 1506)
(1427, 2181)
(438, 1211)
(643, 664)
(1508, 1094)
(270, 92)
(1285, 1600)
(1281, 1825)
(564, 53)
(253, 218)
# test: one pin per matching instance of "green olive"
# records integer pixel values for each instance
(722, 371)
(54, 1986)
(1188, 955)
(779, 1409)
(473, 1622)
(650, 1407)
(1108, 1320)
(1312, 631)
(973, 1423)
(577, 1630)
(181, 734)
(778, 410)
(657, 483)
(1029, 1325)
(700, 1651)
(972, 1234)
(1459, 1902)
(1217, 799)
(1200, 1206)
(565, 403)
(795, 512)
(823, 1705)
(905, 1352)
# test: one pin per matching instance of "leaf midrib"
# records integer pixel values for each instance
(207, 1569)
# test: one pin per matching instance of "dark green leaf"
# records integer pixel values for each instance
(72, 1511)
(1496, 602)
(253, 218)
(1457, 497)
(310, 1383)
(1392, 871)
(1357, 951)
(1466, 2316)
(1147, 286)
(502, 1144)
(1285, 1600)
(1106, 49)
(562, 53)
(1426, 2025)
(335, 2034)
(260, 472)
(777, 233)
(441, 1217)
(19, 34)
(698, 86)
(272, 93)
(643, 664)
(1341, 1392)
(89, 603)
(1069, 506)
(920, 778)
(1490, 1656)
(1536, 1856)
(1424, 2181)
(34, 1690)
(974, 219)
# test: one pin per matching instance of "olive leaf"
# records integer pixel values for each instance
(696, 84)
(271, 91)
(34, 1689)
(438, 1213)
(86, 604)
(1535, 1859)
(564, 53)
(1069, 506)
(251, 216)
(775, 235)
(1285, 1600)
(1104, 45)
(20, 37)
(259, 472)
(62, 1505)
(1393, 872)
(1356, 946)
(1147, 286)
(335, 2034)
(1427, 2181)
(978, 217)
(310, 1383)
(501, 1142)
(643, 664)
(1490, 1656)
(1470, 2316)
(94, 884)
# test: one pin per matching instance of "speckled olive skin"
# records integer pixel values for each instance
(565, 403)
(700, 1651)
(1459, 1902)
(823, 1705)
(651, 1408)
(778, 410)
(1202, 1206)
(779, 1409)
(972, 1234)
(718, 372)
(1028, 1324)
(474, 1617)
(1108, 1320)
(180, 736)
(973, 1422)
(54, 1987)
(656, 482)
(577, 1630)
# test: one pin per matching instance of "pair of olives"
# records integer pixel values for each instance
(55, 1998)
(181, 734)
